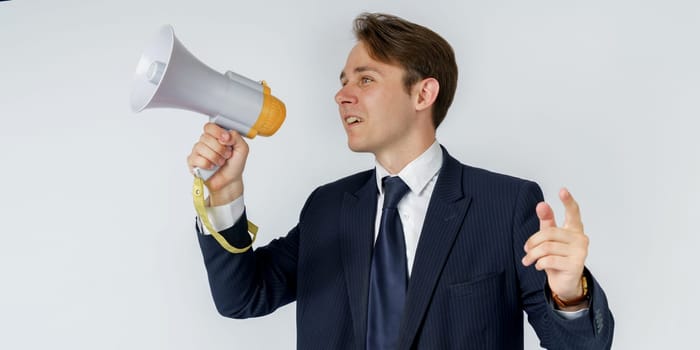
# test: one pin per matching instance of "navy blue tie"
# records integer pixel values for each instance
(389, 272)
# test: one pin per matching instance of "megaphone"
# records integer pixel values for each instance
(169, 76)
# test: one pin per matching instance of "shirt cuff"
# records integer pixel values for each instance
(224, 216)
(572, 315)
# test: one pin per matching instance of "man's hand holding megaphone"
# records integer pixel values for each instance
(226, 149)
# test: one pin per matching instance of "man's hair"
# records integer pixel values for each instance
(420, 51)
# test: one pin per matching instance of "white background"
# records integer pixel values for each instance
(98, 249)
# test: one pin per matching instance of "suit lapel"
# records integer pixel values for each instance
(446, 212)
(357, 219)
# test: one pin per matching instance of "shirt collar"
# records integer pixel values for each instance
(418, 173)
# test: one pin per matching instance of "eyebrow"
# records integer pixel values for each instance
(360, 69)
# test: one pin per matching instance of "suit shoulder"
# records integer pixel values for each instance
(485, 175)
(479, 180)
(331, 194)
(349, 183)
(478, 176)
(500, 190)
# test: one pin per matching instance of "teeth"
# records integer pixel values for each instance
(351, 120)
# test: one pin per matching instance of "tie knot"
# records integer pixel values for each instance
(394, 190)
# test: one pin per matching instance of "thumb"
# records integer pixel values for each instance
(546, 215)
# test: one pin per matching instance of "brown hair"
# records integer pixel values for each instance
(420, 51)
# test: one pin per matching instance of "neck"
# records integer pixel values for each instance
(396, 159)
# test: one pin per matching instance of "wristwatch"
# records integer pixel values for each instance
(573, 302)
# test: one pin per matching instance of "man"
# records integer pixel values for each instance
(421, 252)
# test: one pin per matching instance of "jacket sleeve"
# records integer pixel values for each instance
(592, 331)
(256, 282)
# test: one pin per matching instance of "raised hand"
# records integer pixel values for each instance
(559, 251)
(227, 149)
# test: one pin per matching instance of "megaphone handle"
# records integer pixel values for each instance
(205, 174)
(228, 124)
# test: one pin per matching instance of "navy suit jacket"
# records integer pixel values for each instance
(467, 288)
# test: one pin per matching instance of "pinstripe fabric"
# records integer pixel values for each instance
(467, 289)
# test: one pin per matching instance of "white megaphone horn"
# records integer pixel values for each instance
(169, 76)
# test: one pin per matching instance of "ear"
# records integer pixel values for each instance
(427, 90)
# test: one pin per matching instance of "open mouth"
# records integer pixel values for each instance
(352, 120)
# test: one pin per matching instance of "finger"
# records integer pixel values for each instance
(223, 151)
(218, 133)
(572, 218)
(553, 262)
(554, 234)
(194, 160)
(238, 147)
(235, 139)
(546, 215)
(547, 248)
(201, 150)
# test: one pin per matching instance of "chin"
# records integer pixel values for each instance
(357, 147)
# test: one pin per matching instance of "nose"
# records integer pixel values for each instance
(345, 95)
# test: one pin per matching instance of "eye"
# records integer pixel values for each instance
(366, 80)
